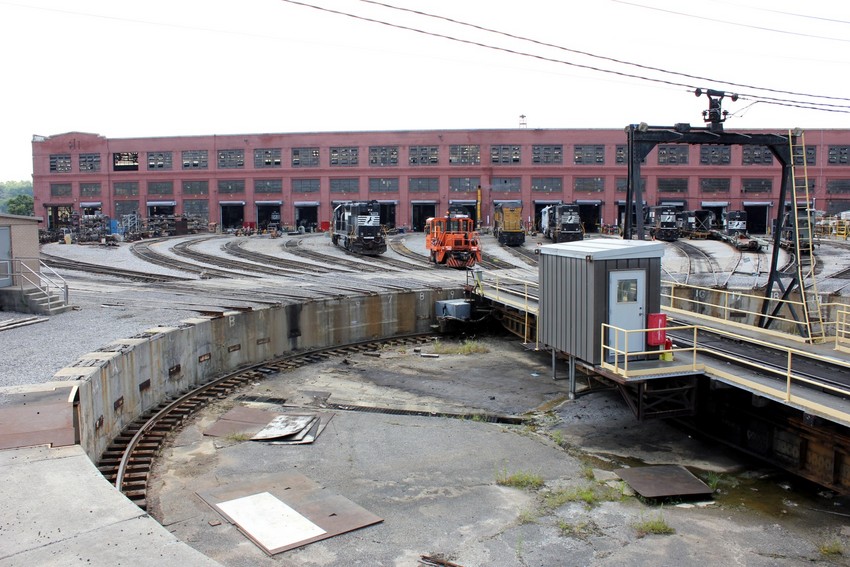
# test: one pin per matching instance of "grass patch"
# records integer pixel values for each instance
(655, 526)
(527, 517)
(712, 479)
(238, 437)
(578, 530)
(590, 496)
(558, 437)
(524, 480)
(831, 548)
(467, 347)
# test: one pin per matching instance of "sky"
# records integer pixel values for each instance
(201, 67)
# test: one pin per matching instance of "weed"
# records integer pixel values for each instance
(657, 526)
(831, 548)
(522, 480)
(590, 495)
(527, 517)
(558, 437)
(579, 529)
(237, 437)
(712, 479)
(467, 347)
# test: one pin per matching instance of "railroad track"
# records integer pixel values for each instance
(294, 246)
(530, 257)
(399, 246)
(236, 248)
(144, 250)
(128, 460)
(148, 277)
(699, 262)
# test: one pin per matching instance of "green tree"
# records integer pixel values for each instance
(20, 205)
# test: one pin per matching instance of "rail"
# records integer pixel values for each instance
(732, 307)
(842, 328)
(511, 291)
(46, 279)
(626, 363)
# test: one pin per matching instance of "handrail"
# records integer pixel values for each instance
(39, 279)
(790, 353)
(519, 299)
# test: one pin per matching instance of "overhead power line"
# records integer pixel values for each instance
(728, 22)
(601, 57)
(759, 98)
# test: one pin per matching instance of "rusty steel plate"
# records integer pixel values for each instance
(250, 422)
(38, 418)
(663, 481)
(330, 512)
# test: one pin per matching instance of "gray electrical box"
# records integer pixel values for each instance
(455, 308)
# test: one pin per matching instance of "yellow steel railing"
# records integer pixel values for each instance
(618, 360)
(522, 295)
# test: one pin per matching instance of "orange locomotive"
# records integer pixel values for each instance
(452, 240)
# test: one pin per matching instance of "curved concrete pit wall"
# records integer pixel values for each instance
(128, 377)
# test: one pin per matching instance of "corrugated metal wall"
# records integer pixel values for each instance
(574, 301)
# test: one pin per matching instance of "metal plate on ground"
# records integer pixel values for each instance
(284, 425)
(270, 523)
(663, 481)
(249, 422)
(331, 512)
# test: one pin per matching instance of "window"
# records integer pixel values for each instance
(160, 187)
(125, 161)
(346, 156)
(383, 184)
(89, 189)
(811, 154)
(627, 291)
(268, 186)
(838, 186)
(383, 156)
(463, 184)
(423, 155)
(670, 154)
(838, 155)
(231, 159)
(267, 157)
(505, 155)
(589, 155)
(198, 209)
(124, 208)
(60, 163)
(230, 186)
(195, 159)
(305, 185)
(305, 157)
(672, 184)
(464, 155)
(547, 154)
(423, 184)
(125, 188)
(756, 185)
(89, 162)
(621, 155)
(345, 185)
(756, 155)
(589, 184)
(160, 160)
(623, 185)
(196, 187)
(715, 184)
(715, 155)
(505, 184)
(547, 184)
(60, 189)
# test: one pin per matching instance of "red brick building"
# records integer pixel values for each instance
(297, 178)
